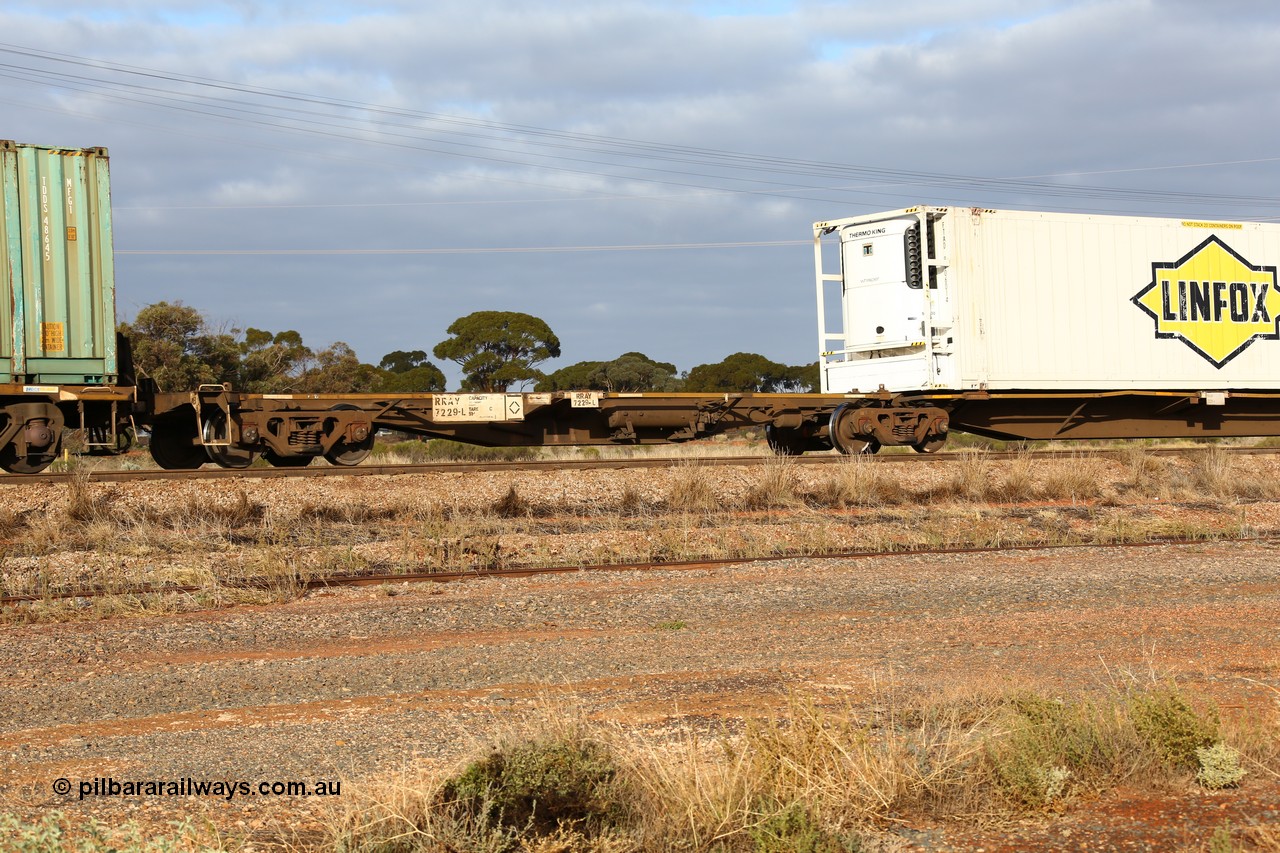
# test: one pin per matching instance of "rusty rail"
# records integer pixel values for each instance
(121, 476)
(429, 576)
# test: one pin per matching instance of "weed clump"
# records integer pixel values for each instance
(792, 829)
(860, 482)
(540, 787)
(1054, 747)
(511, 505)
(632, 503)
(85, 504)
(972, 478)
(1219, 767)
(1078, 478)
(1148, 475)
(815, 779)
(444, 450)
(10, 522)
(774, 487)
(1171, 727)
(55, 831)
(690, 491)
(240, 511)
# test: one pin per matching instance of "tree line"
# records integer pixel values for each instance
(176, 346)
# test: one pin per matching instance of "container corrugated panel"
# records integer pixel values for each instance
(57, 324)
(1023, 300)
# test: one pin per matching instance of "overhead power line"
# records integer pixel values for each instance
(493, 250)
(527, 146)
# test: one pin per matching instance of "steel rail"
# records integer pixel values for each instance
(429, 576)
(121, 476)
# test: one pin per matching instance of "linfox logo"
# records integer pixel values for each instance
(1213, 300)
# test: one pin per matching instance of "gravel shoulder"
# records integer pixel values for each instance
(357, 683)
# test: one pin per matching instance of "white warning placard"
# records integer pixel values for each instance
(476, 408)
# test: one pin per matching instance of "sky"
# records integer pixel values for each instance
(641, 175)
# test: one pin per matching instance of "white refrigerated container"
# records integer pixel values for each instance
(949, 298)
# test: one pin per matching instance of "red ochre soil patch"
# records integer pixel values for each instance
(1128, 820)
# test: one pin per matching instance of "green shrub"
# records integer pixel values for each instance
(1219, 767)
(443, 450)
(539, 787)
(1172, 727)
(53, 834)
(1221, 841)
(1051, 747)
(794, 830)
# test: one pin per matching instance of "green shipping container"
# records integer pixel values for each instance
(57, 324)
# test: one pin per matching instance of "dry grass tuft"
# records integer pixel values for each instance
(1019, 482)
(859, 482)
(511, 505)
(774, 486)
(971, 478)
(632, 503)
(121, 539)
(1211, 472)
(1215, 472)
(818, 778)
(10, 522)
(1148, 475)
(56, 831)
(691, 490)
(1265, 838)
(84, 503)
(344, 513)
(1079, 477)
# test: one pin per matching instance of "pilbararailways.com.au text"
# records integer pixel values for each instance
(227, 789)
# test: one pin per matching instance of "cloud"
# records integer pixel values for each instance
(408, 126)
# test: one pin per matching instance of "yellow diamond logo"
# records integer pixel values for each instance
(1213, 300)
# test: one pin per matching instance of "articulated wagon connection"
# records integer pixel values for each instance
(1003, 323)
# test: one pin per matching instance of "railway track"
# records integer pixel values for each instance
(432, 576)
(123, 476)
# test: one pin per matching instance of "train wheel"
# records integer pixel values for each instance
(174, 447)
(231, 457)
(933, 445)
(275, 460)
(225, 455)
(784, 441)
(349, 453)
(843, 436)
(32, 463)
